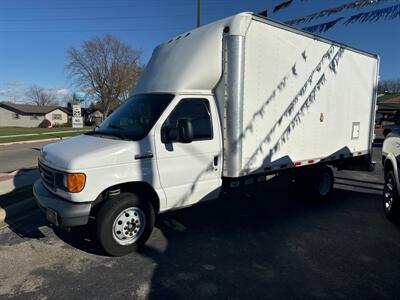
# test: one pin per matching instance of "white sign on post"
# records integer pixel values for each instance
(77, 120)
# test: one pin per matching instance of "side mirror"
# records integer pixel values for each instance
(185, 131)
(169, 135)
(182, 133)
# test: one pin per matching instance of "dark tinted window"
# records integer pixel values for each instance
(134, 119)
(196, 110)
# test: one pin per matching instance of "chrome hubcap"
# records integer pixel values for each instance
(129, 226)
(388, 194)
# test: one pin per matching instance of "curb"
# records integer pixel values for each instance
(42, 133)
(15, 210)
(12, 173)
(8, 176)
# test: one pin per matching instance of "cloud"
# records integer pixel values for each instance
(15, 91)
(12, 90)
(15, 83)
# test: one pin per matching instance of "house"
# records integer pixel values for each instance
(25, 115)
(92, 116)
(388, 109)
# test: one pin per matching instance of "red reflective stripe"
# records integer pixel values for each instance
(359, 153)
(297, 163)
(310, 161)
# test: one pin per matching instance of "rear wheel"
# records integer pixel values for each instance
(124, 223)
(391, 202)
(316, 183)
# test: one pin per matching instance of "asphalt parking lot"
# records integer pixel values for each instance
(20, 156)
(268, 243)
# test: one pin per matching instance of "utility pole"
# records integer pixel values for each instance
(198, 12)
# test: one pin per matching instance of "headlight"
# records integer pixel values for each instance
(73, 182)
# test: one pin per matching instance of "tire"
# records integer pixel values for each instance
(317, 184)
(391, 201)
(124, 223)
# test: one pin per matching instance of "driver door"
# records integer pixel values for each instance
(190, 172)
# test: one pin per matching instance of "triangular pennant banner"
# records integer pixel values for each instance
(387, 13)
(322, 27)
(327, 12)
(282, 5)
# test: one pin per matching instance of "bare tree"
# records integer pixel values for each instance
(39, 96)
(106, 68)
(72, 98)
(391, 86)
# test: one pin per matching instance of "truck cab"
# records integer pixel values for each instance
(164, 147)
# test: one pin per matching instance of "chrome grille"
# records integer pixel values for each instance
(48, 176)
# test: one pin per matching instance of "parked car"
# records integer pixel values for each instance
(217, 108)
(391, 189)
(395, 127)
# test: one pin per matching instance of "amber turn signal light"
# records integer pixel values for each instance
(76, 182)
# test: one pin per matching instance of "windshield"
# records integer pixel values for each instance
(134, 119)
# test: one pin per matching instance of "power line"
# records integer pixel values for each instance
(198, 22)
(105, 6)
(92, 30)
(98, 18)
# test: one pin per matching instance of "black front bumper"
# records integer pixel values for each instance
(59, 211)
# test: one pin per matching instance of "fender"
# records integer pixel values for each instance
(390, 158)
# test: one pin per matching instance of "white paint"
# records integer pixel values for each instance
(77, 122)
(190, 63)
(191, 67)
(186, 171)
(277, 129)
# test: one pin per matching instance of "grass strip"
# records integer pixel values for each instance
(38, 137)
(35, 130)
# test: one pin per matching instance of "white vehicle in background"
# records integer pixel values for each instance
(216, 108)
(391, 189)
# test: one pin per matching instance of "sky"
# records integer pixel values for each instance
(36, 34)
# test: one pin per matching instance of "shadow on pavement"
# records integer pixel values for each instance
(265, 242)
(268, 241)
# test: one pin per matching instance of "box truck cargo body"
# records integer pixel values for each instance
(284, 96)
(216, 107)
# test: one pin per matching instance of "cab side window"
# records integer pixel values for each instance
(198, 112)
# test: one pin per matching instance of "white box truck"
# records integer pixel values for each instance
(216, 108)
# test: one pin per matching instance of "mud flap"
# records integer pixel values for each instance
(358, 163)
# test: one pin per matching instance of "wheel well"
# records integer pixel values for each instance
(142, 189)
(388, 166)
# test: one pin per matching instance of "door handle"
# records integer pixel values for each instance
(215, 160)
(148, 154)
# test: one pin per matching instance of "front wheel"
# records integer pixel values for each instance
(124, 223)
(391, 201)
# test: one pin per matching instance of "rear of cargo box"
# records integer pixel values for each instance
(305, 99)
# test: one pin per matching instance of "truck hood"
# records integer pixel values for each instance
(87, 151)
